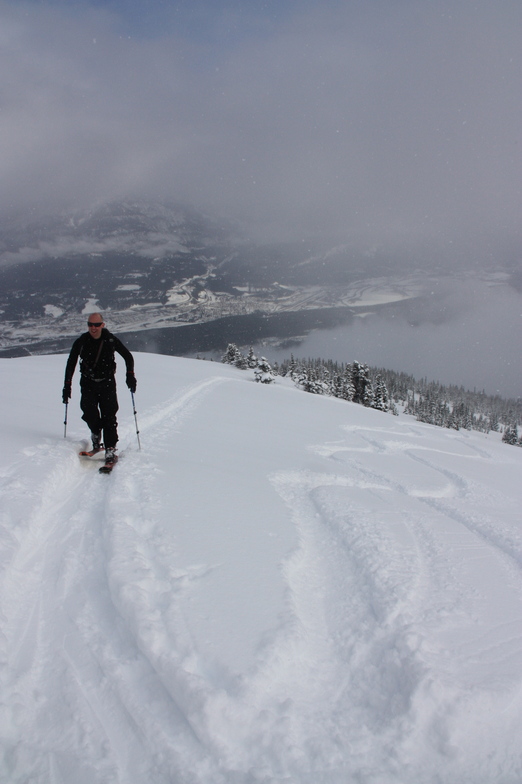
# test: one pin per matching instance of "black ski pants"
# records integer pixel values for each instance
(99, 403)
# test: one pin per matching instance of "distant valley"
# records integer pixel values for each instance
(179, 282)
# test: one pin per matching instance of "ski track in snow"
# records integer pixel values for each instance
(380, 671)
(118, 734)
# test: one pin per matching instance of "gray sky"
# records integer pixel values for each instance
(378, 120)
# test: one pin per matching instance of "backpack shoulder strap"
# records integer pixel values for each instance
(98, 354)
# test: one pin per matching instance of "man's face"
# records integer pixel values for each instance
(95, 325)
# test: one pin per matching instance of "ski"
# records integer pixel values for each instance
(91, 452)
(107, 468)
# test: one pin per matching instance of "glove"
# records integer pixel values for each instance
(66, 392)
(131, 382)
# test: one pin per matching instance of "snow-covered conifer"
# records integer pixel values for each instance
(380, 396)
(231, 354)
(348, 388)
(263, 372)
(241, 361)
(510, 434)
(363, 388)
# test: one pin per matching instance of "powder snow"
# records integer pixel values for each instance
(278, 587)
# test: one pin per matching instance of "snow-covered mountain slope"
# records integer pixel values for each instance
(277, 588)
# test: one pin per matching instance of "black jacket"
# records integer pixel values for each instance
(97, 356)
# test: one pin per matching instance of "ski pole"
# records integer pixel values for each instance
(65, 422)
(135, 419)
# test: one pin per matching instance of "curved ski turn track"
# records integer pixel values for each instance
(277, 588)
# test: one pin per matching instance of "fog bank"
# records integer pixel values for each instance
(479, 347)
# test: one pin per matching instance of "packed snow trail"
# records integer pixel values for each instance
(277, 588)
(60, 616)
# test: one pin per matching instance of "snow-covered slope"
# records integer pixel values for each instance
(276, 588)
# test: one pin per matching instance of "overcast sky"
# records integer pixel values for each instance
(375, 119)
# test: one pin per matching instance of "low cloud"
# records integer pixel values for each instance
(469, 335)
(154, 246)
(382, 122)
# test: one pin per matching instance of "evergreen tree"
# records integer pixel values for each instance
(263, 372)
(380, 396)
(510, 434)
(445, 406)
(337, 385)
(315, 379)
(231, 355)
(493, 422)
(363, 390)
(241, 361)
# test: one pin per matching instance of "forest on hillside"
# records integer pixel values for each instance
(382, 389)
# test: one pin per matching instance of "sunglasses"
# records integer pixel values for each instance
(94, 323)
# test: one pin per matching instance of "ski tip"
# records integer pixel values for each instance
(107, 468)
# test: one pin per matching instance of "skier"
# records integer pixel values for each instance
(99, 401)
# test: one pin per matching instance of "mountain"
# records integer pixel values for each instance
(277, 587)
(172, 280)
(151, 267)
(120, 254)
